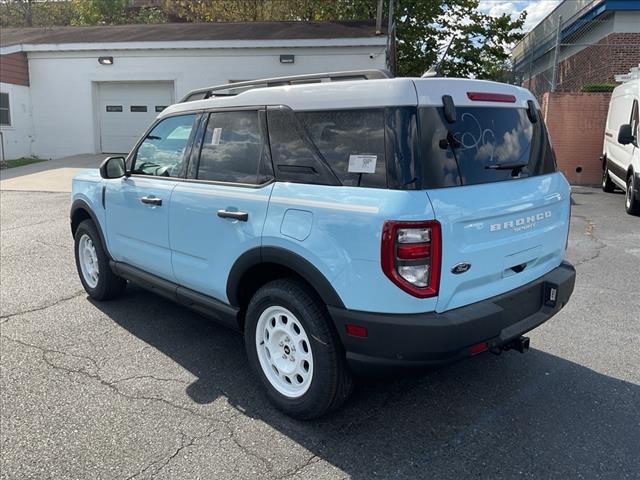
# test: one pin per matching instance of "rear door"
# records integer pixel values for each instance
(503, 208)
(219, 212)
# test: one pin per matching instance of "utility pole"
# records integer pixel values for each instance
(554, 80)
(379, 17)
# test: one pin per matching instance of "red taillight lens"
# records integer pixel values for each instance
(410, 256)
(356, 330)
(411, 252)
(478, 348)
(491, 97)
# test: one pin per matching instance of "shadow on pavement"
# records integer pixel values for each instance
(534, 415)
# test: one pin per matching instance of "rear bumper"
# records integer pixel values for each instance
(428, 339)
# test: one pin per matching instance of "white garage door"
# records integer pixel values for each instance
(125, 111)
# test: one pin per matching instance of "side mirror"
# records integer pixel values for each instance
(625, 134)
(113, 167)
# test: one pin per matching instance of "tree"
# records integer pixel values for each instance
(479, 43)
(32, 13)
(479, 47)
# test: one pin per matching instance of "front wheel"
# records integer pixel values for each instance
(92, 263)
(294, 351)
(632, 200)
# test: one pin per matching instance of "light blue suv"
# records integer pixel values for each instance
(344, 227)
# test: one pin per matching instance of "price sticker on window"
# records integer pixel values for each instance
(362, 163)
(215, 138)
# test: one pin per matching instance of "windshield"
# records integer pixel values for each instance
(483, 145)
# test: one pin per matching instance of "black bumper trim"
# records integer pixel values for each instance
(427, 339)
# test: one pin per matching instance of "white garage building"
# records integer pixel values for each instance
(72, 90)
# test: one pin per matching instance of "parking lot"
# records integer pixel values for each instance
(140, 387)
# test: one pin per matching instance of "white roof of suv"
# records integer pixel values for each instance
(363, 94)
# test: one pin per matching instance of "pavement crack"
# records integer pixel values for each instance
(54, 245)
(110, 384)
(151, 377)
(296, 470)
(6, 318)
(161, 464)
(590, 232)
(30, 225)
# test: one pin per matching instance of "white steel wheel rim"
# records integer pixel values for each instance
(284, 352)
(629, 193)
(88, 261)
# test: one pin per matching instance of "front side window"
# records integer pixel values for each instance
(351, 142)
(483, 145)
(162, 153)
(5, 114)
(232, 148)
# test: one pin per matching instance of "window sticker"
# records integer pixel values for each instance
(215, 137)
(362, 163)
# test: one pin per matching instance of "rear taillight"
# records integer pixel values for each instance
(410, 256)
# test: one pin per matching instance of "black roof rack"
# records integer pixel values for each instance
(230, 89)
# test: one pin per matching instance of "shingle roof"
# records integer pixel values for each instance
(188, 32)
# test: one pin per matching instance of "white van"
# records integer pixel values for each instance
(620, 153)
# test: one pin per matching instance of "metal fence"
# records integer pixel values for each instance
(577, 56)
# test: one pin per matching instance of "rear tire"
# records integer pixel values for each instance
(632, 202)
(92, 263)
(293, 349)
(607, 185)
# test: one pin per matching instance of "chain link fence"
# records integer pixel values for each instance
(580, 55)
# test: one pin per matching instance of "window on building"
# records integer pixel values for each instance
(5, 114)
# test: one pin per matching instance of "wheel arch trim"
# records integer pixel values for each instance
(286, 258)
(80, 204)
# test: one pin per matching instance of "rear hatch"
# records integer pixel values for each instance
(491, 177)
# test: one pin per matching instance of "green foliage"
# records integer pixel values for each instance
(29, 13)
(598, 87)
(480, 45)
(19, 162)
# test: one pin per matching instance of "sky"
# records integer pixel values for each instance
(536, 9)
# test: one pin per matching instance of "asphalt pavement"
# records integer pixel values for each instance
(139, 387)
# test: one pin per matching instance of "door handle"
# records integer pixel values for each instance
(152, 200)
(242, 216)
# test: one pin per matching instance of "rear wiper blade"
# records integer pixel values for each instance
(506, 166)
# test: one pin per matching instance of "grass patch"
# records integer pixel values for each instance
(19, 162)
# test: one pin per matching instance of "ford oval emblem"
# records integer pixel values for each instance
(460, 268)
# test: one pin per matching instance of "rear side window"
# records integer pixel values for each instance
(295, 158)
(483, 145)
(232, 148)
(352, 143)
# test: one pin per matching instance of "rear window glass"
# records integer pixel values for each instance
(351, 142)
(483, 145)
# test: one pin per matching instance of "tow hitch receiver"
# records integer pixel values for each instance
(520, 344)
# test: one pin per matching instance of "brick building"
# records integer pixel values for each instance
(590, 42)
(598, 40)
